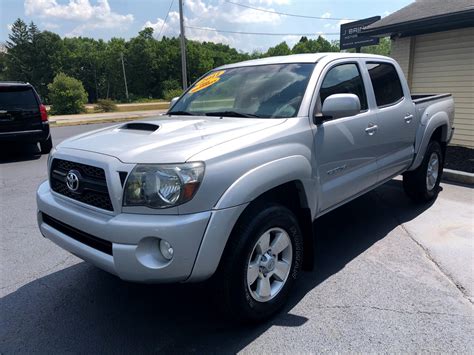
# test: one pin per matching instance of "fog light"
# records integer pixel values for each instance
(166, 249)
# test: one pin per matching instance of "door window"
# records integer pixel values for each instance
(344, 79)
(386, 83)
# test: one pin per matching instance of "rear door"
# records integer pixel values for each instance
(19, 109)
(396, 118)
(345, 148)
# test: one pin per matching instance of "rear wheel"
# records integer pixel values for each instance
(46, 146)
(261, 263)
(422, 184)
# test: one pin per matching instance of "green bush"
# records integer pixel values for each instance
(170, 94)
(106, 105)
(67, 95)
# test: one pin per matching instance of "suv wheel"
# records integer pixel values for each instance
(46, 146)
(422, 184)
(261, 263)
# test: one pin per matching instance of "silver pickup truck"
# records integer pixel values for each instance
(228, 183)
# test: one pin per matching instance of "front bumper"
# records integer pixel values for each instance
(135, 238)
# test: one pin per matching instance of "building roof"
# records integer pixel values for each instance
(425, 16)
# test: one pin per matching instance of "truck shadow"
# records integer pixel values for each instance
(82, 309)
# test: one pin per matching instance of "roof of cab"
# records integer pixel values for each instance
(300, 58)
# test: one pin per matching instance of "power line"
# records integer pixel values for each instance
(285, 13)
(164, 22)
(263, 33)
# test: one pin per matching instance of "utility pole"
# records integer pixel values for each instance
(183, 46)
(124, 76)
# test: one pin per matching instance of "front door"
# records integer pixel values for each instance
(345, 148)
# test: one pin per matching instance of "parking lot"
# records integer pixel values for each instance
(390, 276)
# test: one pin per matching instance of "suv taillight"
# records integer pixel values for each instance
(44, 113)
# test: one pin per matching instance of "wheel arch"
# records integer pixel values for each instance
(291, 185)
(437, 128)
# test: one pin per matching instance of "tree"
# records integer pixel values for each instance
(19, 52)
(67, 95)
(383, 48)
(279, 49)
(320, 44)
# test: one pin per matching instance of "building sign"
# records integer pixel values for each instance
(350, 37)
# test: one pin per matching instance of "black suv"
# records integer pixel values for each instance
(23, 118)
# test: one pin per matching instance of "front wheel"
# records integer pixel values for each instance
(422, 184)
(261, 263)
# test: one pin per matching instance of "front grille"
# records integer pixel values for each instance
(76, 234)
(92, 183)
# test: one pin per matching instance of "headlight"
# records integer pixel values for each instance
(161, 186)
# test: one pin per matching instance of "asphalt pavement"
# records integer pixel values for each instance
(390, 276)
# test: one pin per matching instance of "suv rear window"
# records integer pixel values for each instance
(17, 97)
(386, 83)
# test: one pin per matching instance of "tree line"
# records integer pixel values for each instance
(153, 67)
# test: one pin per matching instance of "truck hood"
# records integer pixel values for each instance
(165, 140)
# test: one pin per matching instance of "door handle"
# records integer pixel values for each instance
(371, 129)
(408, 117)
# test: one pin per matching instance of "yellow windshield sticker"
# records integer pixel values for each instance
(209, 80)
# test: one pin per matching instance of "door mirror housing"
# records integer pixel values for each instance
(173, 101)
(339, 105)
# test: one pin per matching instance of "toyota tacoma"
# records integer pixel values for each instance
(226, 185)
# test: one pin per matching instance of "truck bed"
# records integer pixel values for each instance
(419, 98)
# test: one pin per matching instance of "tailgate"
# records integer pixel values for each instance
(19, 109)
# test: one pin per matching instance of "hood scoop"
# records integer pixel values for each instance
(140, 126)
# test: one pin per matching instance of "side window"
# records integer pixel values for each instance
(344, 79)
(386, 83)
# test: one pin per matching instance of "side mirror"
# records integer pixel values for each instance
(173, 101)
(340, 105)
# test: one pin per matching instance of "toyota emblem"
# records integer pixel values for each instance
(72, 180)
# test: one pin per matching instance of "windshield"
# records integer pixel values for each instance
(263, 91)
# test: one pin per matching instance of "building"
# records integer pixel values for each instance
(433, 40)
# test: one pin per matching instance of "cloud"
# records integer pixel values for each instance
(326, 15)
(171, 29)
(49, 25)
(291, 40)
(88, 16)
(197, 13)
(270, 2)
(341, 22)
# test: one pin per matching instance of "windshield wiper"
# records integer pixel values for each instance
(231, 114)
(180, 113)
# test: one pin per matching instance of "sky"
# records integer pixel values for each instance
(125, 18)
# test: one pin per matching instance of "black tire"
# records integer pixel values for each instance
(415, 182)
(234, 294)
(46, 146)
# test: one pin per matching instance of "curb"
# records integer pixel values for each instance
(460, 177)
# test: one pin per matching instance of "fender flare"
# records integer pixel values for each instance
(425, 133)
(234, 201)
(265, 177)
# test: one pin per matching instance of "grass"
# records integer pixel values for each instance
(142, 107)
(151, 106)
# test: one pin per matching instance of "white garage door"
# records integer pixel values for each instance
(444, 62)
